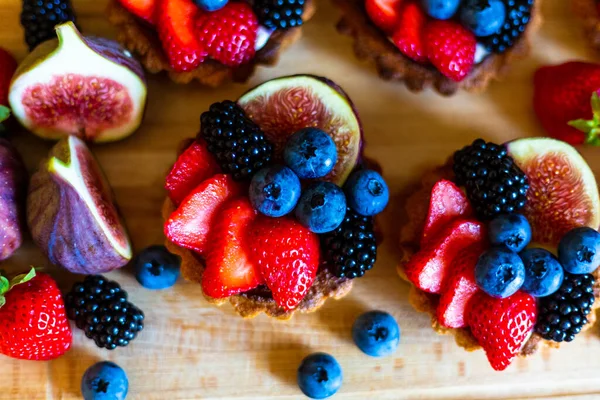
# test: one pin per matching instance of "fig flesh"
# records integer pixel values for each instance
(85, 86)
(563, 193)
(71, 212)
(285, 105)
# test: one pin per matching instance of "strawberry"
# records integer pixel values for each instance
(428, 267)
(459, 287)
(501, 326)
(189, 226)
(447, 204)
(287, 254)
(229, 268)
(175, 19)
(562, 95)
(34, 323)
(229, 34)
(409, 35)
(8, 66)
(194, 166)
(384, 13)
(141, 8)
(451, 48)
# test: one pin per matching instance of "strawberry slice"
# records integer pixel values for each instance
(194, 166)
(447, 204)
(145, 9)
(409, 34)
(428, 267)
(189, 226)
(229, 269)
(384, 13)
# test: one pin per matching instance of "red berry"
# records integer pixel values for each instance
(409, 35)
(451, 48)
(384, 13)
(8, 66)
(144, 9)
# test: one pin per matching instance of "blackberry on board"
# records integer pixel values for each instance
(518, 15)
(100, 308)
(494, 183)
(238, 144)
(39, 17)
(563, 314)
(351, 249)
(279, 14)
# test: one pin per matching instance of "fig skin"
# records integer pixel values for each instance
(13, 188)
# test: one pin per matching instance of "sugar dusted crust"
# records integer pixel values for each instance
(587, 11)
(370, 44)
(140, 38)
(416, 208)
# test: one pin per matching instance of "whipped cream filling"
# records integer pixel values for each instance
(263, 34)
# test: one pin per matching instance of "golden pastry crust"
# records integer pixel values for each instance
(587, 10)
(141, 39)
(370, 44)
(416, 208)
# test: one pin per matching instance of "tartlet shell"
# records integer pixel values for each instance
(587, 11)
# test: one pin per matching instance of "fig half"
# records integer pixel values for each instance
(84, 86)
(71, 212)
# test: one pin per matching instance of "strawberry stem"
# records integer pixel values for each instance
(6, 285)
(591, 128)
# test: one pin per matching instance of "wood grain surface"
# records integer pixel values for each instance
(192, 350)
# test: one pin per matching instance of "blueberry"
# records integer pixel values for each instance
(319, 376)
(274, 191)
(376, 333)
(579, 250)
(104, 381)
(367, 192)
(499, 272)
(440, 9)
(510, 230)
(311, 153)
(156, 268)
(483, 17)
(322, 207)
(543, 272)
(211, 5)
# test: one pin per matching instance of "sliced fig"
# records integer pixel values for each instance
(563, 193)
(71, 212)
(285, 105)
(85, 86)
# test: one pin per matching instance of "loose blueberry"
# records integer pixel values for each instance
(367, 192)
(510, 230)
(104, 381)
(156, 268)
(483, 17)
(376, 333)
(579, 250)
(499, 272)
(319, 376)
(322, 207)
(275, 190)
(310, 153)
(211, 5)
(543, 272)
(440, 9)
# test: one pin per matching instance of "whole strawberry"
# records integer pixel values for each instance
(409, 35)
(34, 324)
(501, 326)
(287, 254)
(561, 101)
(8, 66)
(451, 48)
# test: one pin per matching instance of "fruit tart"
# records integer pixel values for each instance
(212, 41)
(271, 206)
(501, 247)
(444, 44)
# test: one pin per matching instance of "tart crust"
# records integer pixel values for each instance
(588, 12)
(140, 38)
(370, 44)
(416, 207)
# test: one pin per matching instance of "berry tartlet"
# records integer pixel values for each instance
(501, 247)
(444, 44)
(211, 41)
(271, 207)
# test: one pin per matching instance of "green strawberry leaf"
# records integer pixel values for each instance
(6, 285)
(4, 113)
(591, 128)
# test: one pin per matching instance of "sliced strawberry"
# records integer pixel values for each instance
(384, 13)
(451, 48)
(189, 226)
(194, 166)
(409, 34)
(428, 267)
(447, 204)
(144, 9)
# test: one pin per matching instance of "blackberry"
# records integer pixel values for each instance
(237, 143)
(279, 14)
(518, 15)
(563, 314)
(39, 17)
(351, 249)
(495, 184)
(100, 308)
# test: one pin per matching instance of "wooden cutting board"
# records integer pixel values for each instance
(192, 350)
